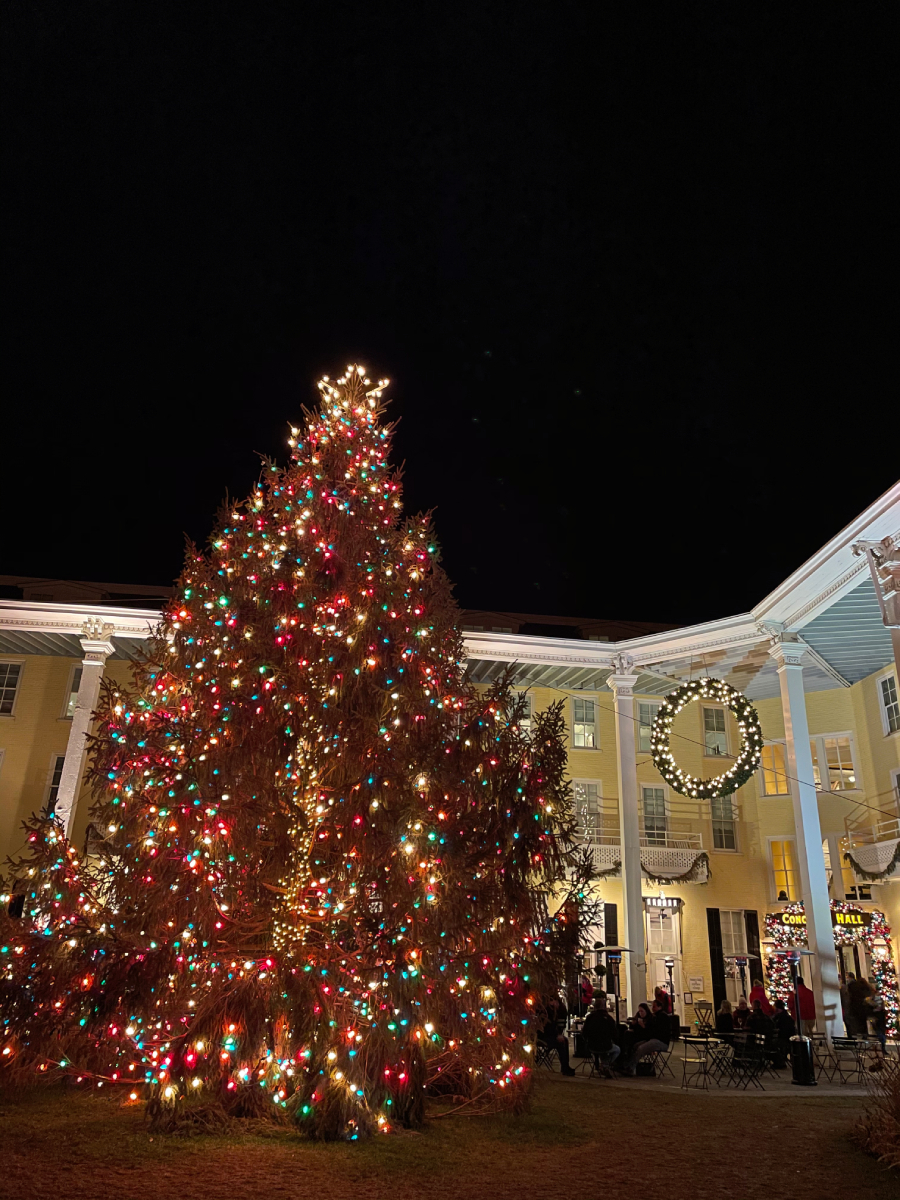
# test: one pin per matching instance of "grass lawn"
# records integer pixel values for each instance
(581, 1140)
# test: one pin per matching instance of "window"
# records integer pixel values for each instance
(56, 770)
(661, 933)
(646, 716)
(724, 823)
(527, 712)
(72, 692)
(587, 809)
(501, 629)
(584, 724)
(655, 823)
(833, 767)
(773, 773)
(896, 782)
(10, 673)
(715, 735)
(783, 869)
(734, 931)
(890, 703)
(472, 628)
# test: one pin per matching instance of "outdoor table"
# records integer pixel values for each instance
(716, 1050)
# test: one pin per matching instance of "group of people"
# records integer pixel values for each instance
(607, 1042)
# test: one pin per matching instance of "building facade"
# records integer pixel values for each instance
(810, 844)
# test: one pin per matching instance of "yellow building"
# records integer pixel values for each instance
(686, 884)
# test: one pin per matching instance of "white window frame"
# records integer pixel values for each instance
(593, 699)
(724, 711)
(2, 756)
(735, 821)
(73, 671)
(775, 837)
(895, 780)
(598, 783)
(652, 704)
(48, 788)
(882, 707)
(528, 696)
(821, 761)
(773, 795)
(12, 660)
(742, 925)
(657, 787)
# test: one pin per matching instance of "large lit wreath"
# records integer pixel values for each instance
(747, 760)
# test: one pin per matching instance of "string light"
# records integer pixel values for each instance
(319, 859)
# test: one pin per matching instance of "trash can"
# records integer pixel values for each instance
(803, 1070)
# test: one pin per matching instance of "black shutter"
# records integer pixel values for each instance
(716, 957)
(755, 969)
(610, 924)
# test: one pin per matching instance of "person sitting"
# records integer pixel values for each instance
(785, 1028)
(551, 1035)
(656, 1029)
(760, 1022)
(741, 1015)
(758, 992)
(725, 1021)
(599, 1033)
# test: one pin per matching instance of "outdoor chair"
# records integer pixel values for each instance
(660, 1061)
(546, 1057)
(849, 1058)
(824, 1060)
(695, 1065)
(748, 1061)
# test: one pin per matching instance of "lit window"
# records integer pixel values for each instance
(587, 810)
(646, 716)
(890, 703)
(783, 870)
(654, 806)
(584, 724)
(724, 823)
(56, 771)
(9, 682)
(833, 767)
(772, 770)
(714, 732)
(72, 699)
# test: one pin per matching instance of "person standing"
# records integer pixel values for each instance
(758, 992)
(807, 1020)
(859, 994)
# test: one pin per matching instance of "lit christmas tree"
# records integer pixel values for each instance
(321, 866)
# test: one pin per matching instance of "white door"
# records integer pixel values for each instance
(664, 941)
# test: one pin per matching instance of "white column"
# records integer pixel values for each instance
(97, 647)
(837, 866)
(813, 878)
(621, 685)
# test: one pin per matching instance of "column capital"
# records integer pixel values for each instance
(622, 685)
(788, 653)
(96, 641)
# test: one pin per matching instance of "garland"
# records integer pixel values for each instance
(699, 873)
(884, 974)
(874, 876)
(747, 760)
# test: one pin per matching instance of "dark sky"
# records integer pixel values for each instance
(633, 274)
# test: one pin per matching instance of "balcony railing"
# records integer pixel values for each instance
(861, 835)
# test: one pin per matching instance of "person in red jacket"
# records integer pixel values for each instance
(807, 1006)
(758, 992)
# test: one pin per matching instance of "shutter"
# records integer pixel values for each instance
(756, 967)
(610, 925)
(716, 957)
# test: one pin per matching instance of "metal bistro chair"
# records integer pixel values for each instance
(824, 1060)
(849, 1058)
(695, 1065)
(546, 1057)
(748, 1060)
(659, 1059)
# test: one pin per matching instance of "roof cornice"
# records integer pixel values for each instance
(44, 617)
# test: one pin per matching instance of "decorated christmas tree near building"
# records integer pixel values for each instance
(319, 871)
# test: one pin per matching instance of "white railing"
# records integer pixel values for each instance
(673, 841)
(884, 831)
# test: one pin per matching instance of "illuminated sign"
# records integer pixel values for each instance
(670, 902)
(793, 920)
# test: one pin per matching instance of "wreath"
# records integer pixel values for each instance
(747, 760)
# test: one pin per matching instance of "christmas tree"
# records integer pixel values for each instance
(321, 865)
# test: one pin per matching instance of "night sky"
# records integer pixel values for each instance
(633, 274)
